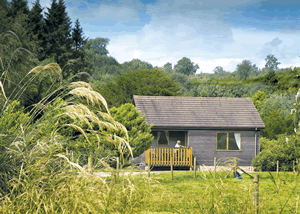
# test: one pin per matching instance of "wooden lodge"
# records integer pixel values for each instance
(207, 127)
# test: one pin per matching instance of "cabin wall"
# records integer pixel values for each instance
(203, 143)
(204, 147)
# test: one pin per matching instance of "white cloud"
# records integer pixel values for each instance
(194, 29)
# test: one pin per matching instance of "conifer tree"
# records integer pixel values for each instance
(17, 6)
(3, 15)
(59, 40)
(37, 27)
(79, 53)
(78, 39)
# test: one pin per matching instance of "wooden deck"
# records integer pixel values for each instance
(163, 156)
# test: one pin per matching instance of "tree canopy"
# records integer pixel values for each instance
(143, 82)
(139, 132)
(186, 66)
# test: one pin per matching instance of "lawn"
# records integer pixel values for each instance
(204, 194)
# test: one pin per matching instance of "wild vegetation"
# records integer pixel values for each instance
(66, 109)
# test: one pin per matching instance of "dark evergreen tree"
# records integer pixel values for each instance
(17, 6)
(37, 28)
(59, 40)
(78, 41)
(3, 15)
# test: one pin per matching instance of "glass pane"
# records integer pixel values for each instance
(234, 141)
(222, 141)
(162, 139)
(177, 135)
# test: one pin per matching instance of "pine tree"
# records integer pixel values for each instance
(77, 35)
(37, 27)
(79, 42)
(3, 15)
(59, 40)
(17, 6)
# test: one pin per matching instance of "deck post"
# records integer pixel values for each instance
(195, 167)
(172, 156)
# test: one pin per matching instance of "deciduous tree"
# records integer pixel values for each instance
(186, 66)
(143, 82)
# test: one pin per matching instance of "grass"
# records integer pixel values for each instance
(185, 194)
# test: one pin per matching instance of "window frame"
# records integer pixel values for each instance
(227, 143)
(168, 138)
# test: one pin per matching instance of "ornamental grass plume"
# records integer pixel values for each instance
(37, 175)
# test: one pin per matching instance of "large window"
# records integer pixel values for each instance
(228, 141)
(163, 138)
(178, 135)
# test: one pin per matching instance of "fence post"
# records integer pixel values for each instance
(118, 165)
(149, 165)
(90, 164)
(195, 167)
(172, 157)
(256, 193)
(278, 171)
(215, 167)
(294, 166)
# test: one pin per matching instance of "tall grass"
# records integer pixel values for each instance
(36, 173)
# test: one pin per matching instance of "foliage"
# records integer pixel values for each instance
(245, 68)
(186, 66)
(12, 121)
(140, 137)
(219, 70)
(37, 28)
(167, 68)
(276, 123)
(286, 149)
(259, 98)
(95, 47)
(143, 82)
(136, 64)
(59, 40)
(271, 63)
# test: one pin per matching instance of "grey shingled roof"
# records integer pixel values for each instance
(198, 112)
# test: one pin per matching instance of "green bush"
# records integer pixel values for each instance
(286, 150)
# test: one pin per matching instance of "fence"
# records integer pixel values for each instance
(163, 156)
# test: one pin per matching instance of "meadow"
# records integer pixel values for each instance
(204, 194)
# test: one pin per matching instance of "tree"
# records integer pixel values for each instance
(258, 98)
(186, 66)
(272, 63)
(286, 149)
(3, 15)
(276, 123)
(140, 137)
(59, 40)
(143, 82)
(38, 28)
(137, 64)
(168, 67)
(219, 70)
(17, 6)
(77, 35)
(245, 68)
(97, 46)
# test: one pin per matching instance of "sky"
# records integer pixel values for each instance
(209, 32)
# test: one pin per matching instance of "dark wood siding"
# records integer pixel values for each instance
(204, 147)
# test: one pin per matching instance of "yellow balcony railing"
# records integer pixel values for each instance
(163, 156)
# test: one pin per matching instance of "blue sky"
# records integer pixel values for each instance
(209, 32)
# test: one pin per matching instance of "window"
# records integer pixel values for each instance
(178, 135)
(163, 138)
(228, 141)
